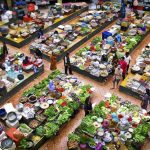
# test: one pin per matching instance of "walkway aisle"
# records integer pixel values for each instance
(60, 141)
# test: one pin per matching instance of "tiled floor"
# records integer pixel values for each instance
(60, 141)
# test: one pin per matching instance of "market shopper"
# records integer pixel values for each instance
(114, 61)
(117, 76)
(53, 61)
(146, 100)
(67, 64)
(128, 60)
(123, 66)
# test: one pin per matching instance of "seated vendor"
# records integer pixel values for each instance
(27, 64)
(38, 53)
(92, 48)
(2, 83)
(27, 18)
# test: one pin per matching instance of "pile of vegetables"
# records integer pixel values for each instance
(85, 30)
(59, 112)
(87, 126)
(88, 131)
(131, 42)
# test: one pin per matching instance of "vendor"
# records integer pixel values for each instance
(3, 52)
(118, 38)
(104, 58)
(3, 8)
(2, 83)
(38, 53)
(40, 33)
(92, 48)
(20, 13)
(27, 64)
(146, 99)
(27, 18)
(130, 2)
(88, 106)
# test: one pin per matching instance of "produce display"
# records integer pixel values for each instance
(139, 78)
(45, 108)
(6, 17)
(15, 73)
(68, 36)
(112, 124)
(18, 31)
(96, 60)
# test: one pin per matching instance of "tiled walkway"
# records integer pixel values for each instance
(60, 141)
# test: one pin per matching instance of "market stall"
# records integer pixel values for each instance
(20, 33)
(96, 59)
(43, 110)
(6, 17)
(67, 37)
(113, 124)
(15, 74)
(138, 80)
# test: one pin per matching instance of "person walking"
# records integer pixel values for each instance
(123, 66)
(146, 99)
(53, 60)
(127, 60)
(117, 76)
(67, 64)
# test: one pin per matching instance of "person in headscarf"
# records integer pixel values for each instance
(53, 60)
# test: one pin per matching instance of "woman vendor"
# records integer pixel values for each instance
(27, 64)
